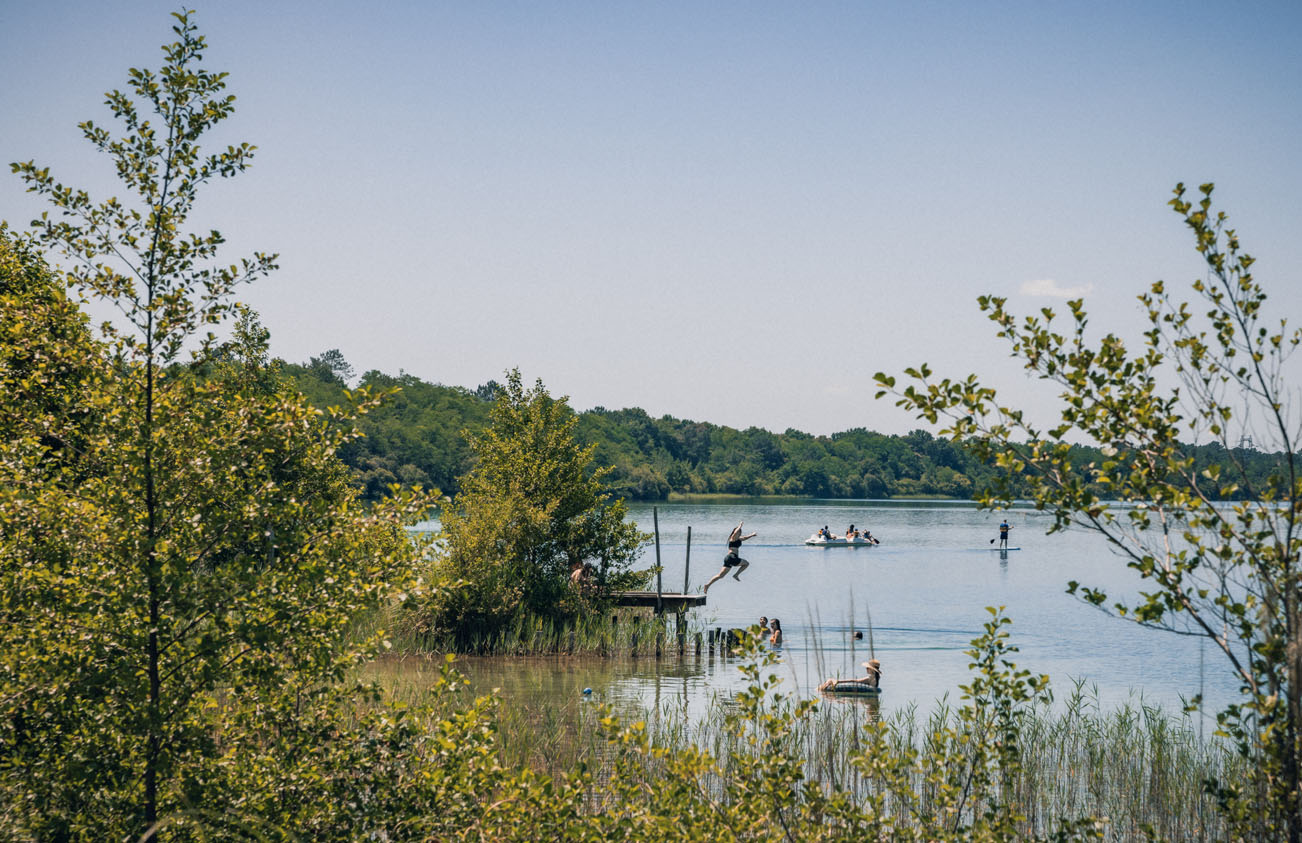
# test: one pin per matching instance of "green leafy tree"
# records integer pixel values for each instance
(331, 367)
(533, 507)
(413, 438)
(181, 554)
(1227, 573)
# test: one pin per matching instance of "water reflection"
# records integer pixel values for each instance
(919, 598)
(869, 704)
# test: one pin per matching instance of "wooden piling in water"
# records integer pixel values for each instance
(687, 563)
(655, 519)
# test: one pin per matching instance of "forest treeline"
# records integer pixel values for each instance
(417, 436)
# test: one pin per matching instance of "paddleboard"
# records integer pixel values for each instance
(1001, 548)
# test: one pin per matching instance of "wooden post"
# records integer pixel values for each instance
(680, 629)
(637, 630)
(655, 517)
(687, 564)
(697, 640)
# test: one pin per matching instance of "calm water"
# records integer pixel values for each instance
(925, 589)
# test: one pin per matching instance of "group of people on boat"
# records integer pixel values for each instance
(850, 535)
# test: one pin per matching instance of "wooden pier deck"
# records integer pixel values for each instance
(677, 602)
(665, 601)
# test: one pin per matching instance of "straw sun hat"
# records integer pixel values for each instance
(874, 664)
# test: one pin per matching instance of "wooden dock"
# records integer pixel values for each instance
(662, 604)
(660, 601)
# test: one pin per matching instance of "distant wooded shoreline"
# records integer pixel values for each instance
(417, 437)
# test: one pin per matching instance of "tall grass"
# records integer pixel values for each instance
(616, 632)
(1138, 766)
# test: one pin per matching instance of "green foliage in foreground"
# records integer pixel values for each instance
(1231, 574)
(181, 554)
(531, 511)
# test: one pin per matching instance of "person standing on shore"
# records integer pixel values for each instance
(733, 559)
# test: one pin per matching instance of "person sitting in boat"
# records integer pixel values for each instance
(868, 537)
(825, 533)
(851, 534)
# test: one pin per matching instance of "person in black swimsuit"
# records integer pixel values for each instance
(733, 559)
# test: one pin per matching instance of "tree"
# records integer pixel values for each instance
(1226, 573)
(331, 367)
(181, 555)
(531, 508)
(48, 359)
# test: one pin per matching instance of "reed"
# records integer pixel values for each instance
(1136, 765)
(616, 632)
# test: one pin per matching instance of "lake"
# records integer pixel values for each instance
(924, 588)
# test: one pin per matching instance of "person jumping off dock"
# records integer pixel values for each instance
(733, 559)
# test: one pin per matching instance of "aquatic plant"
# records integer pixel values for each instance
(1007, 760)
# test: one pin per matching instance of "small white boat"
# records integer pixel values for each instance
(839, 541)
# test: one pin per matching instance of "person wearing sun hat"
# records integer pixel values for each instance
(861, 684)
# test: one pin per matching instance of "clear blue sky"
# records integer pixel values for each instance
(732, 212)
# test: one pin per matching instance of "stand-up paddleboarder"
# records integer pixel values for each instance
(733, 559)
(1004, 527)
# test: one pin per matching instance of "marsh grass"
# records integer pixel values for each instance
(1138, 766)
(618, 632)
